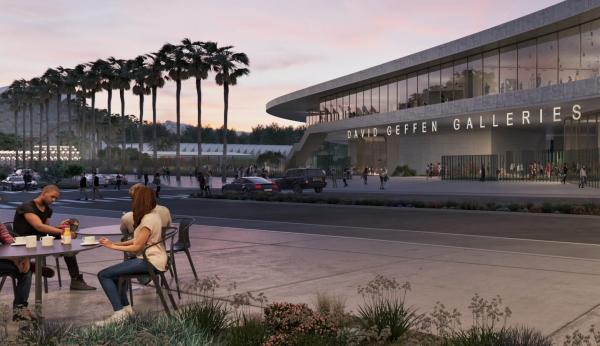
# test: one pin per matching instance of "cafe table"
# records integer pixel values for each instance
(39, 253)
(101, 231)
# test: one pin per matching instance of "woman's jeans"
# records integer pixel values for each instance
(109, 279)
(23, 282)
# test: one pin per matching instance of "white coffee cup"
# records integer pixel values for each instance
(20, 240)
(31, 241)
(47, 240)
(90, 239)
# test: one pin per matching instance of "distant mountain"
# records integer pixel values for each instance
(172, 127)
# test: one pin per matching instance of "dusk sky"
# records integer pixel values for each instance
(291, 44)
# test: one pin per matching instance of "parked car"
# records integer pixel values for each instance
(298, 179)
(15, 182)
(101, 179)
(112, 179)
(22, 171)
(250, 184)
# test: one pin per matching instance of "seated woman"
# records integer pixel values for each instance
(147, 224)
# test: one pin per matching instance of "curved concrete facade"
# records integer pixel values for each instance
(480, 141)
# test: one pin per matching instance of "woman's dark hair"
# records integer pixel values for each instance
(143, 202)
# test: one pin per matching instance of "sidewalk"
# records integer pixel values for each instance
(547, 292)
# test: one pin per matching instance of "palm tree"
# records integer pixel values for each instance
(122, 70)
(177, 66)
(92, 82)
(78, 75)
(199, 55)
(14, 98)
(55, 84)
(69, 83)
(155, 80)
(229, 67)
(108, 73)
(38, 94)
(140, 72)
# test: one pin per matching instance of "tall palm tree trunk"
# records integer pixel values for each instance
(109, 139)
(58, 127)
(154, 155)
(226, 106)
(82, 131)
(199, 129)
(25, 141)
(123, 135)
(141, 131)
(16, 139)
(31, 140)
(40, 135)
(48, 133)
(70, 133)
(178, 152)
(94, 136)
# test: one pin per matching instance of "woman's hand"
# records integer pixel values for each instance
(106, 243)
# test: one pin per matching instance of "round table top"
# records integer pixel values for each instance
(108, 230)
(57, 248)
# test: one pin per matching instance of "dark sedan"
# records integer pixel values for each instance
(250, 184)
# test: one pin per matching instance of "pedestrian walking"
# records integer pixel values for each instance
(119, 179)
(83, 187)
(345, 177)
(563, 174)
(382, 178)
(207, 183)
(96, 186)
(365, 175)
(201, 183)
(333, 177)
(145, 179)
(156, 183)
(27, 178)
(482, 172)
(582, 177)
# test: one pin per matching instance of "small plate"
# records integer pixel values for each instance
(63, 242)
(86, 244)
(17, 244)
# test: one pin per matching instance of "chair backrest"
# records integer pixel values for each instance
(9, 227)
(184, 230)
(168, 234)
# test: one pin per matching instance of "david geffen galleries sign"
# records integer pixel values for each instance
(525, 117)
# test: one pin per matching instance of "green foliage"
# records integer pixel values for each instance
(290, 324)
(9, 142)
(208, 314)
(73, 170)
(488, 336)
(384, 308)
(53, 174)
(246, 331)
(404, 171)
(269, 158)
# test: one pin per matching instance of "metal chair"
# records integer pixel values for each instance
(9, 227)
(158, 277)
(6, 275)
(183, 244)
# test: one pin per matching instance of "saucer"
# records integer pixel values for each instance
(17, 244)
(86, 244)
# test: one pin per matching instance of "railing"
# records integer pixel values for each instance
(540, 166)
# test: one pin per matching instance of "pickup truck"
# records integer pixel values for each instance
(298, 179)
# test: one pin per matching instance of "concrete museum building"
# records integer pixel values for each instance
(519, 95)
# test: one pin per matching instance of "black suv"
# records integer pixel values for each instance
(298, 179)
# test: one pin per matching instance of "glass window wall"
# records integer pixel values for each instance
(491, 72)
(422, 88)
(339, 109)
(393, 96)
(374, 99)
(569, 55)
(547, 60)
(460, 73)
(508, 69)
(352, 104)
(366, 101)
(402, 98)
(383, 97)
(526, 65)
(359, 102)
(412, 90)
(434, 90)
(474, 77)
(447, 83)
(590, 49)
(346, 111)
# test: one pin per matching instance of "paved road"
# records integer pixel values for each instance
(356, 221)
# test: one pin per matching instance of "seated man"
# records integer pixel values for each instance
(33, 218)
(19, 269)
(127, 218)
